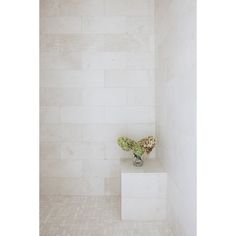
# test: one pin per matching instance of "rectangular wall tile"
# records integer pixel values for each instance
(128, 43)
(72, 42)
(70, 78)
(101, 168)
(82, 150)
(60, 61)
(127, 78)
(83, 115)
(140, 61)
(103, 132)
(71, 132)
(60, 132)
(79, 168)
(141, 97)
(49, 7)
(139, 131)
(49, 43)
(129, 7)
(50, 133)
(82, 8)
(60, 25)
(72, 186)
(103, 25)
(112, 186)
(60, 97)
(140, 25)
(104, 97)
(50, 150)
(106, 60)
(61, 168)
(129, 115)
(50, 115)
(113, 151)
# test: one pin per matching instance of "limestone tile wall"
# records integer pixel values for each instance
(97, 83)
(176, 100)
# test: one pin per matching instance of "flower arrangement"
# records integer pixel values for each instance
(143, 146)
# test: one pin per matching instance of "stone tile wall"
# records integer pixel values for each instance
(97, 83)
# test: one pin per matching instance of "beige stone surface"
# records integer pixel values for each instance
(96, 79)
(91, 215)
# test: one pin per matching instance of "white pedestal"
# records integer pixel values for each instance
(143, 191)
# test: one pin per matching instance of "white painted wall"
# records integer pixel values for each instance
(176, 90)
(97, 83)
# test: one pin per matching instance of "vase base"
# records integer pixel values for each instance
(137, 162)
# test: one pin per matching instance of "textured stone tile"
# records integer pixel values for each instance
(82, 150)
(141, 97)
(91, 215)
(70, 78)
(95, 56)
(83, 115)
(128, 43)
(82, 7)
(60, 132)
(50, 132)
(129, 115)
(139, 131)
(127, 78)
(72, 42)
(72, 186)
(140, 25)
(60, 25)
(71, 132)
(49, 7)
(60, 97)
(50, 115)
(60, 61)
(140, 61)
(101, 168)
(177, 109)
(129, 7)
(113, 151)
(104, 97)
(61, 168)
(105, 60)
(114, 25)
(112, 186)
(100, 133)
(50, 150)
